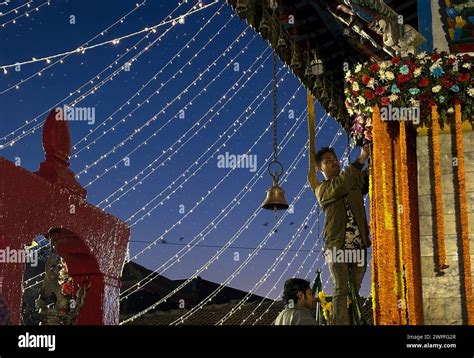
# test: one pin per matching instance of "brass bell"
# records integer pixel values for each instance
(275, 199)
(341, 113)
(264, 27)
(281, 44)
(324, 94)
(308, 72)
(332, 107)
(318, 84)
(295, 60)
(241, 6)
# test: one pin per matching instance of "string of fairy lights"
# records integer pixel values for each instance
(15, 10)
(177, 20)
(213, 223)
(90, 81)
(155, 76)
(180, 143)
(51, 64)
(248, 187)
(214, 258)
(198, 78)
(247, 117)
(241, 229)
(199, 202)
(269, 271)
(121, 20)
(25, 14)
(235, 126)
(237, 271)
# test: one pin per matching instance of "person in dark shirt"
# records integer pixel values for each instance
(300, 304)
(346, 232)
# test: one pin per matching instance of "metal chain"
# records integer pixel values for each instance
(274, 89)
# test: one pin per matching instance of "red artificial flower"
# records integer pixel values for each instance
(466, 57)
(355, 93)
(369, 94)
(401, 78)
(380, 91)
(451, 61)
(435, 56)
(395, 60)
(384, 101)
(374, 67)
(411, 65)
(365, 79)
(463, 77)
(424, 82)
(68, 288)
(446, 82)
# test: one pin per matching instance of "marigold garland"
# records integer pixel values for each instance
(438, 190)
(466, 257)
(390, 231)
(407, 235)
(377, 230)
(384, 239)
(400, 284)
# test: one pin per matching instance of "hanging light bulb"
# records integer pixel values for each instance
(275, 196)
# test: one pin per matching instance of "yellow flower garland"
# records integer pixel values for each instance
(377, 230)
(466, 257)
(373, 228)
(326, 306)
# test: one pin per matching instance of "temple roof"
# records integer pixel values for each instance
(340, 33)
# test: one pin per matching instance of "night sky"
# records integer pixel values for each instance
(219, 77)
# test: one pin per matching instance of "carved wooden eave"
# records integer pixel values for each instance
(341, 36)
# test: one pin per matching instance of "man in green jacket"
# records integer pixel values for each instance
(346, 233)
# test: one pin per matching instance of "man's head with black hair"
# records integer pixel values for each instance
(297, 292)
(327, 162)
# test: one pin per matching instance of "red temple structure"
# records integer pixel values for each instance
(91, 242)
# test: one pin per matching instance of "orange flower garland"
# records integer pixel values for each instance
(384, 239)
(375, 197)
(390, 230)
(407, 236)
(466, 257)
(438, 190)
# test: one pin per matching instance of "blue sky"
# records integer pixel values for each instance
(190, 86)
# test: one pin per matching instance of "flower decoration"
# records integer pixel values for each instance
(423, 79)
